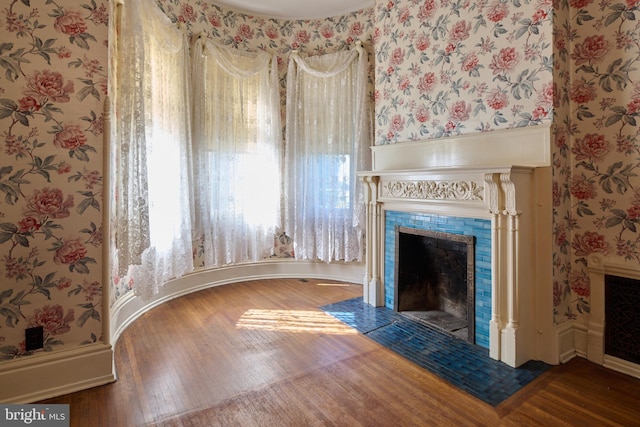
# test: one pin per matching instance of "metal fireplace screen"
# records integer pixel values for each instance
(622, 326)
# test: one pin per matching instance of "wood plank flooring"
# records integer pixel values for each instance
(261, 353)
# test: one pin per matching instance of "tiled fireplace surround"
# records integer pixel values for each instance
(495, 186)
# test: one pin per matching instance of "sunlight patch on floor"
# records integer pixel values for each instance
(317, 322)
(338, 285)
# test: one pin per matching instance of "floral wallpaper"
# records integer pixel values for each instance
(438, 67)
(448, 67)
(53, 79)
(597, 151)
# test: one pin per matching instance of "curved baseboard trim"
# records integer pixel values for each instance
(52, 374)
(129, 307)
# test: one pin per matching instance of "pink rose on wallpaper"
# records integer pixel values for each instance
(548, 95)
(632, 4)
(63, 168)
(404, 83)
(592, 48)
(497, 99)
(427, 10)
(539, 113)
(497, 11)
(188, 14)
(404, 15)
(589, 243)
(63, 283)
(71, 252)
(50, 203)
(582, 92)
(271, 32)
(397, 123)
(303, 37)
(580, 284)
(449, 127)
(422, 115)
(505, 60)
(70, 23)
(460, 31)
(28, 224)
(28, 103)
(357, 29)
(579, 4)
(423, 42)
(470, 62)
(214, 20)
(71, 137)
(53, 319)
(244, 32)
(48, 85)
(633, 213)
(538, 16)
(633, 106)
(327, 31)
(427, 82)
(560, 235)
(64, 52)
(397, 56)
(460, 111)
(582, 189)
(592, 147)
(450, 48)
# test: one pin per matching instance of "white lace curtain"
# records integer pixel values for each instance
(237, 153)
(198, 152)
(327, 138)
(152, 139)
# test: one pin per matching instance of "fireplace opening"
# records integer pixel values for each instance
(622, 326)
(434, 279)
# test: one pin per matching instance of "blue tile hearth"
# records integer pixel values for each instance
(459, 362)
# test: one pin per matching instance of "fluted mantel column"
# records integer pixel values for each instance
(373, 293)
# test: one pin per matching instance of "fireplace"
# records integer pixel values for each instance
(495, 186)
(434, 279)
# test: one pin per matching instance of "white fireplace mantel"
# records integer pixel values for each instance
(458, 177)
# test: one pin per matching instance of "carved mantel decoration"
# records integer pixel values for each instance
(458, 177)
(435, 190)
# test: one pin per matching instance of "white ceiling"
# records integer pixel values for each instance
(298, 9)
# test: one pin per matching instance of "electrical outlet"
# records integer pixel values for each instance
(34, 338)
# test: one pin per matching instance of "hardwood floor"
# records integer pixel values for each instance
(260, 353)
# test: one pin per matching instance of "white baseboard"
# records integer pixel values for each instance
(129, 307)
(622, 366)
(566, 338)
(51, 374)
